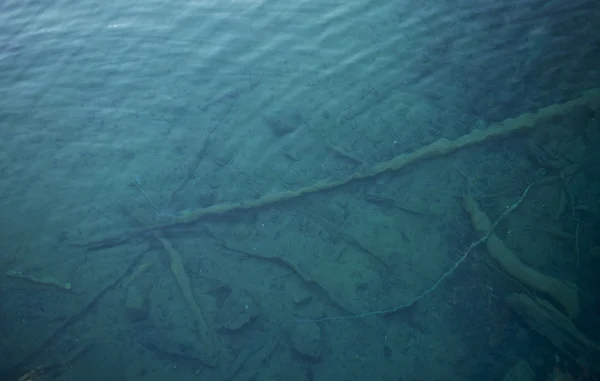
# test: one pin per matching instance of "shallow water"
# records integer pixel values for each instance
(166, 107)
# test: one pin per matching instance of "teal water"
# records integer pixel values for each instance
(120, 115)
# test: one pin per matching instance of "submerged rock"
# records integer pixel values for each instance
(306, 340)
(237, 311)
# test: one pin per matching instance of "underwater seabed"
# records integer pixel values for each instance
(362, 308)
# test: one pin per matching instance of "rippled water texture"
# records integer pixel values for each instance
(152, 109)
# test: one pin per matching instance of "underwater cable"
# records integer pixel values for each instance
(445, 275)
